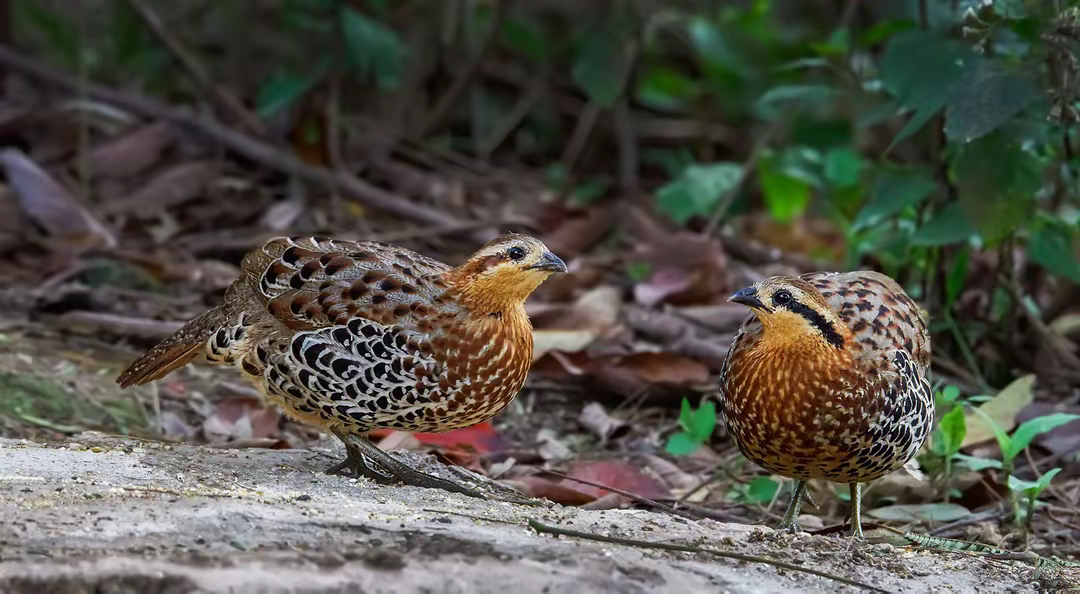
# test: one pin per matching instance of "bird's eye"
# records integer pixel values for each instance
(781, 298)
(515, 253)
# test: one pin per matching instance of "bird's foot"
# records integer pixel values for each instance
(366, 459)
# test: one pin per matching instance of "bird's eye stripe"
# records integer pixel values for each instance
(818, 321)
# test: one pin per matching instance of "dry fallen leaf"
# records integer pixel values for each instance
(129, 154)
(51, 206)
(666, 368)
(597, 420)
(1002, 408)
(241, 418)
(173, 186)
(618, 474)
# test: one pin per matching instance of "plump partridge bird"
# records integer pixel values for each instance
(827, 380)
(352, 337)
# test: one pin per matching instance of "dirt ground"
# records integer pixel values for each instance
(104, 514)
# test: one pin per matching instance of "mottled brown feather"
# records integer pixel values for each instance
(364, 335)
(803, 408)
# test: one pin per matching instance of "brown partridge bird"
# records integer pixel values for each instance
(353, 337)
(827, 379)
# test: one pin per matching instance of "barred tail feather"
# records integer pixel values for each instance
(174, 352)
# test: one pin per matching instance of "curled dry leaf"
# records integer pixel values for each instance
(129, 154)
(597, 420)
(51, 206)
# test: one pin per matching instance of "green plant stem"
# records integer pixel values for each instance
(965, 349)
(542, 528)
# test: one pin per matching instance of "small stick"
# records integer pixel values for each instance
(542, 528)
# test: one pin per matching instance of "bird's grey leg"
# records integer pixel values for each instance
(791, 516)
(856, 509)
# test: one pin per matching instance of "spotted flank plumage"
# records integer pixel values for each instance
(363, 335)
(827, 378)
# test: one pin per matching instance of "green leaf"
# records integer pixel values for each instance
(843, 167)
(893, 192)
(920, 512)
(285, 87)
(697, 190)
(600, 65)
(663, 87)
(785, 195)
(713, 48)
(1032, 488)
(686, 415)
(997, 181)
(957, 277)
(681, 444)
(375, 51)
(953, 430)
(1052, 245)
(921, 68)
(802, 96)
(61, 34)
(977, 464)
(949, 225)
(526, 37)
(761, 490)
(997, 415)
(704, 421)
(1029, 430)
(985, 98)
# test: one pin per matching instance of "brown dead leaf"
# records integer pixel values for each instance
(576, 234)
(171, 187)
(131, 153)
(619, 474)
(684, 268)
(51, 206)
(666, 368)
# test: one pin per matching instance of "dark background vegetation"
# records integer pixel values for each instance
(671, 152)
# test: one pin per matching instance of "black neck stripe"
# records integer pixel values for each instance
(827, 330)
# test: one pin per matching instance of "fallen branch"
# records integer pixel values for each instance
(250, 148)
(542, 528)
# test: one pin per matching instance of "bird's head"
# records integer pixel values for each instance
(791, 311)
(505, 272)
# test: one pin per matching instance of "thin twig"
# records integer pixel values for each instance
(635, 498)
(542, 528)
(250, 148)
(225, 100)
(467, 74)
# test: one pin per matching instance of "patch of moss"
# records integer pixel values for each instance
(41, 401)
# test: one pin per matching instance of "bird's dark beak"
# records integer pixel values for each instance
(549, 262)
(749, 298)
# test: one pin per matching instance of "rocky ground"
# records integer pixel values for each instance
(103, 514)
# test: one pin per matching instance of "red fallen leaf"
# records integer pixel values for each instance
(539, 487)
(618, 474)
(480, 438)
(684, 268)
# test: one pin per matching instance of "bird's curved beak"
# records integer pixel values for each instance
(550, 263)
(749, 298)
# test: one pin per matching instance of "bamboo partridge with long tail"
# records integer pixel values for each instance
(356, 336)
(827, 379)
